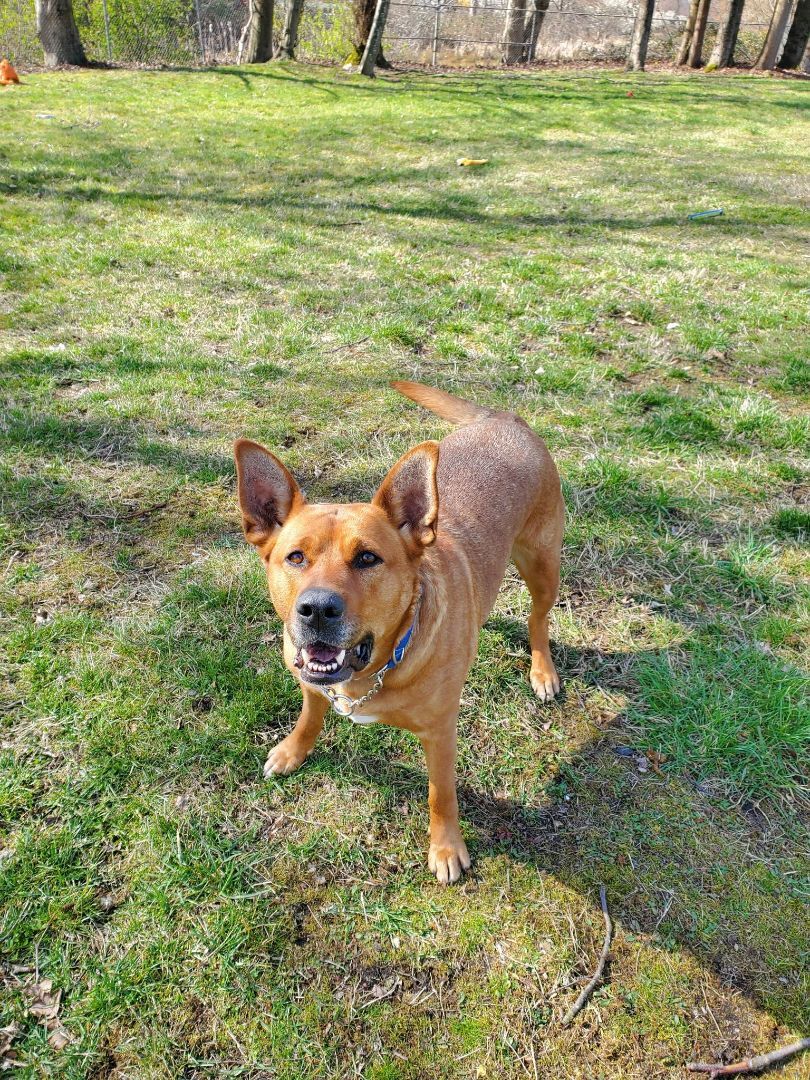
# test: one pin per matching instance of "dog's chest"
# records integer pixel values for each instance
(365, 719)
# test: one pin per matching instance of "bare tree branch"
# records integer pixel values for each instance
(581, 1001)
(750, 1065)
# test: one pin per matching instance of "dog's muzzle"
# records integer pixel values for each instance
(320, 662)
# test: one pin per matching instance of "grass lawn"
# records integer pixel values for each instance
(188, 257)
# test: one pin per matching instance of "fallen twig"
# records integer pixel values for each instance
(581, 1001)
(348, 345)
(133, 514)
(750, 1065)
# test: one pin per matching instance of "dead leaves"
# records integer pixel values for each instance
(8, 1056)
(655, 759)
(43, 1003)
(644, 760)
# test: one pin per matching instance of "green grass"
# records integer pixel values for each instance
(188, 257)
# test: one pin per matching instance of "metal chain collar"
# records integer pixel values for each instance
(347, 706)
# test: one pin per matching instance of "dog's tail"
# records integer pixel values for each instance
(448, 407)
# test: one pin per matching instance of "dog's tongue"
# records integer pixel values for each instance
(321, 653)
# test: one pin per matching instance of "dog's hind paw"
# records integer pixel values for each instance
(283, 759)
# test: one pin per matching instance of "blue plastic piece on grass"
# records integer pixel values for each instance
(704, 214)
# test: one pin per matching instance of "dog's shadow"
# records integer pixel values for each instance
(672, 859)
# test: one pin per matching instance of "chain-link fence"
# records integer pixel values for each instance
(451, 33)
(446, 33)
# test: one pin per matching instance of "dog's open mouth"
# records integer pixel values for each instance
(322, 663)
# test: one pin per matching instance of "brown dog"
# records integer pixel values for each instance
(382, 601)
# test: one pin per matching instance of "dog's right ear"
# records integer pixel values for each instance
(268, 494)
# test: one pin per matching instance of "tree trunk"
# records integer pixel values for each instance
(58, 33)
(289, 36)
(637, 55)
(513, 42)
(805, 64)
(363, 13)
(534, 24)
(374, 42)
(723, 51)
(798, 36)
(260, 31)
(766, 60)
(695, 58)
(688, 30)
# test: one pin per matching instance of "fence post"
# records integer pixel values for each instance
(530, 56)
(199, 31)
(107, 30)
(436, 21)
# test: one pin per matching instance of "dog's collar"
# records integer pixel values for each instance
(345, 705)
(402, 646)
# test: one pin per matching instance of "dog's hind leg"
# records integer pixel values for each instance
(536, 554)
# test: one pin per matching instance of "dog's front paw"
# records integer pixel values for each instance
(545, 683)
(447, 859)
(284, 759)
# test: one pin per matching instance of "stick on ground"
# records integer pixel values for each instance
(581, 1001)
(751, 1065)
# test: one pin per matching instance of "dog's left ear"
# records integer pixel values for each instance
(410, 497)
(268, 493)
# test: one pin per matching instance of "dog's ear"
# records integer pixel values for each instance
(410, 497)
(268, 494)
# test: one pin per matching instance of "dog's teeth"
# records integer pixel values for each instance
(341, 656)
(305, 655)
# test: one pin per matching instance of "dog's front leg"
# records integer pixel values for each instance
(447, 856)
(293, 751)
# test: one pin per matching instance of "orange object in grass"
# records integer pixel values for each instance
(7, 74)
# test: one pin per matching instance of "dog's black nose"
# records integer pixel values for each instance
(319, 609)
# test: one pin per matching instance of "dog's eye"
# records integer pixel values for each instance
(295, 558)
(366, 559)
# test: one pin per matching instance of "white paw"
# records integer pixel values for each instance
(545, 686)
(448, 861)
(283, 760)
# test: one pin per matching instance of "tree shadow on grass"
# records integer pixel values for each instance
(455, 208)
(426, 206)
(593, 88)
(111, 440)
(426, 185)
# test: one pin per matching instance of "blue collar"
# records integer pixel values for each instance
(401, 647)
